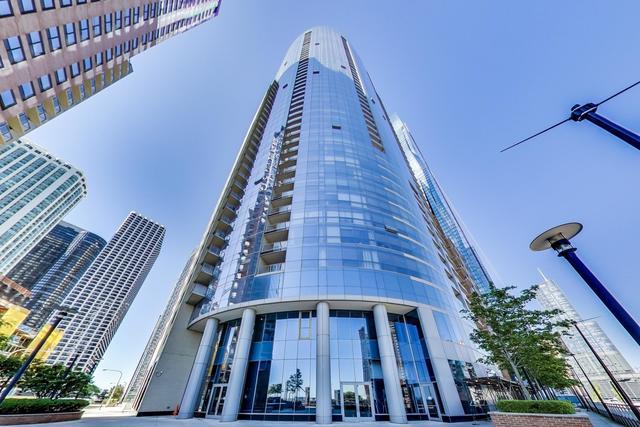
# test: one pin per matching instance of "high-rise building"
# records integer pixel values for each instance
(440, 206)
(56, 53)
(551, 297)
(36, 192)
(43, 255)
(320, 288)
(59, 280)
(140, 379)
(100, 300)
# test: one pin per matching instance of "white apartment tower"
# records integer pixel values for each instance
(36, 192)
(103, 295)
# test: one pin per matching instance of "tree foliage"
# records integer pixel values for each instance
(8, 366)
(519, 339)
(56, 381)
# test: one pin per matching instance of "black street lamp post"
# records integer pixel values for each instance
(588, 112)
(558, 239)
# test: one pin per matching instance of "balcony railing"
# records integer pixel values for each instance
(273, 247)
(279, 226)
(287, 170)
(283, 194)
(272, 268)
(281, 209)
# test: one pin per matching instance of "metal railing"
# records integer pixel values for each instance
(279, 226)
(620, 413)
(281, 209)
(272, 268)
(272, 247)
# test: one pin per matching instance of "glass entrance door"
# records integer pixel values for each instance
(216, 402)
(356, 402)
(431, 401)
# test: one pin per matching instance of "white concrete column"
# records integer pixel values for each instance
(393, 392)
(323, 365)
(199, 370)
(440, 363)
(239, 367)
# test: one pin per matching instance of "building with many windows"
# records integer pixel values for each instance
(321, 289)
(551, 297)
(51, 289)
(44, 254)
(36, 192)
(100, 300)
(56, 53)
(441, 207)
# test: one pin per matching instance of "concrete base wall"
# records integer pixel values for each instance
(510, 419)
(169, 378)
(11, 420)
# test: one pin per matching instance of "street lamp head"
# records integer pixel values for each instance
(556, 238)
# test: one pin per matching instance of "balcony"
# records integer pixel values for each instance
(274, 253)
(282, 199)
(205, 275)
(219, 237)
(235, 195)
(197, 294)
(272, 268)
(213, 255)
(279, 214)
(226, 221)
(287, 162)
(277, 232)
(230, 209)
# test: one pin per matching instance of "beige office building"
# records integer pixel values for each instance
(56, 53)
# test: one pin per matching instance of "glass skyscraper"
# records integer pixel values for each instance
(320, 290)
(36, 192)
(59, 280)
(551, 297)
(44, 254)
(440, 206)
(102, 297)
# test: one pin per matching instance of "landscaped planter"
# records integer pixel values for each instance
(512, 419)
(53, 417)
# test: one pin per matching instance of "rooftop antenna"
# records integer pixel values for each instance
(589, 112)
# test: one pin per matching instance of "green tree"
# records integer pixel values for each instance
(115, 394)
(295, 382)
(518, 339)
(55, 381)
(8, 366)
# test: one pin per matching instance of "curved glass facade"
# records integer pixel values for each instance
(327, 210)
(322, 285)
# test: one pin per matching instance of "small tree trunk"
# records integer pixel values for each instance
(525, 391)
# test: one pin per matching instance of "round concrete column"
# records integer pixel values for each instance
(323, 365)
(393, 392)
(239, 367)
(199, 369)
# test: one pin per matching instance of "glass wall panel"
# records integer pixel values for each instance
(414, 365)
(281, 376)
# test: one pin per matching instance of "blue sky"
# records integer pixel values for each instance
(468, 77)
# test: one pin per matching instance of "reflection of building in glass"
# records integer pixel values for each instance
(315, 290)
(551, 297)
(100, 300)
(440, 206)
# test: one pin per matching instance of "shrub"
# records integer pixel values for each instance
(536, 406)
(41, 406)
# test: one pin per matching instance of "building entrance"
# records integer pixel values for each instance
(356, 402)
(216, 401)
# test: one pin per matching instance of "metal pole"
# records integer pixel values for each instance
(615, 382)
(595, 390)
(568, 252)
(588, 112)
(584, 390)
(16, 377)
(117, 383)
